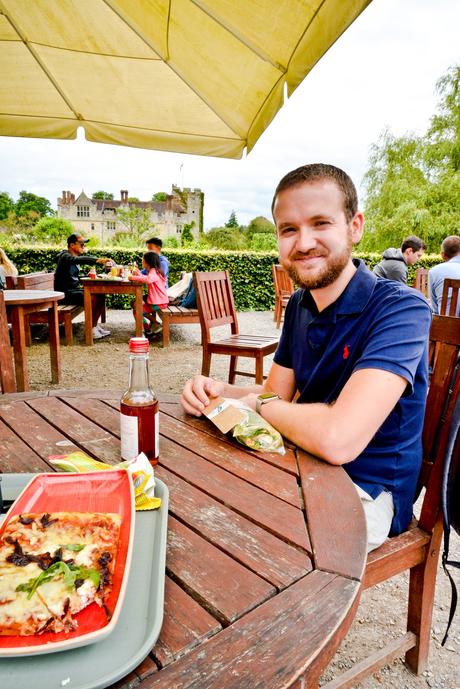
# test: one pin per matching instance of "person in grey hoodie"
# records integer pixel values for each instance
(393, 265)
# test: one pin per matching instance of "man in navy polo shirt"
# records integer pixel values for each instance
(352, 354)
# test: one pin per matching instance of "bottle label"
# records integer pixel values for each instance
(129, 436)
(157, 433)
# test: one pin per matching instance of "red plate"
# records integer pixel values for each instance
(105, 491)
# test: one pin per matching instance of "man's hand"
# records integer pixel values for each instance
(103, 261)
(197, 392)
(249, 400)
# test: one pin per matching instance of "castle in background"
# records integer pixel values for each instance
(98, 217)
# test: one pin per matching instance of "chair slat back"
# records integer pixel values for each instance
(449, 303)
(36, 281)
(421, 280)
(442, 397)
(216, 306)
(284, 286)
(7, 379)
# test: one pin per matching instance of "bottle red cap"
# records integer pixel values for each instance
(138, 345)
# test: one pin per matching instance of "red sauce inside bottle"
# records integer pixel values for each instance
(147, 432)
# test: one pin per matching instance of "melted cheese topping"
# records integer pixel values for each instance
(96, 532)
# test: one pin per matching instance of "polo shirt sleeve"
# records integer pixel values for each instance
(398, 337)
(283, 356)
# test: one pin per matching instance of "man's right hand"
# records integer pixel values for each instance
(104, 261)
(197, 392)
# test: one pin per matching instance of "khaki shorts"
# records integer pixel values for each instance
(379, 515)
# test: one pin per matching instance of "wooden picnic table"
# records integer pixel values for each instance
(265, 552)
(103, 286)
(19, 304)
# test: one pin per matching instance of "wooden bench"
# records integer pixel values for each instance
(176, 314)
(66, 312)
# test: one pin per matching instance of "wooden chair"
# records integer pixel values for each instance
(7, 379)
(417, 549)
(449, 301)
(216, 308)
(66, 312)
(284, 287)
(421, 281)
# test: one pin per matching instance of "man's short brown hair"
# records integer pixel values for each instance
(318, 172)
(414, 243)
(450, 246)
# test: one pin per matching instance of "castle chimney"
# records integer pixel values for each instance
(63, 197)
(72, 198)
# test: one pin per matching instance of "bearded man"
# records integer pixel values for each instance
(349, 377)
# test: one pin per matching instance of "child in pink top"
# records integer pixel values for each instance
(157, 297)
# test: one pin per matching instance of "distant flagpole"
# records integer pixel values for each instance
(181, 174)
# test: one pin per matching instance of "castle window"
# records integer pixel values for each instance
(111, 225)
(82, 211)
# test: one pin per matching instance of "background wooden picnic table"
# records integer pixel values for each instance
(265, 552)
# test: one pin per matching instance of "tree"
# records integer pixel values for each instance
(187, 235)
(160, 196)
(28, 202)
(261, 224)
(54, 230)
(137, 221)
(6, 205)
(133, 199)
(103, 195)
(413, 183)
(232, 221)
(225, 238)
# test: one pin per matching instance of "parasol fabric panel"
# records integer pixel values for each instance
(192, 76)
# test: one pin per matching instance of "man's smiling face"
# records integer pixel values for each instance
(314, 237)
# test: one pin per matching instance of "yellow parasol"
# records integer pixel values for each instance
(192, 76)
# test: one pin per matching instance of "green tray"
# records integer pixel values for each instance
(102, 663)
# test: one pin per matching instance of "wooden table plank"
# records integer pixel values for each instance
(227, 589)
(97, 411)
(16, 456)
(263, 509)
(340, 550)
(262, 649)
(241, 463)
(186, 624)
(45, 439)
(286, 462)
(83, 432)
(260, 551)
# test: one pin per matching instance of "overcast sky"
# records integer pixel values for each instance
(381, 73)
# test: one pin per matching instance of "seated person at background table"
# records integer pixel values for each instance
(7, 268)
(67, 278)
(157, 298)
(393, 265)
(155, 244)
(349, 377)
(450, 252)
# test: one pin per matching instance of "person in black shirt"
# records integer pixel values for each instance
(67, 278)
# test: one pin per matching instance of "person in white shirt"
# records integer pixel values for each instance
(450, 252)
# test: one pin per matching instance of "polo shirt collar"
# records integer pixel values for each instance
(353, 299)
(454, 259)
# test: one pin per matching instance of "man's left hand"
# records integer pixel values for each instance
(249, 400)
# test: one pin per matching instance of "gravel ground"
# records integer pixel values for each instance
(381, 613)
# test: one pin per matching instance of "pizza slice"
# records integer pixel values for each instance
(52, 566)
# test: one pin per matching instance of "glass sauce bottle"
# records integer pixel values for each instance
(139, 414)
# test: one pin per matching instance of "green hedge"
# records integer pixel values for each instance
(250, 272)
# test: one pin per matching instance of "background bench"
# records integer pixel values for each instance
(66, 312)
(179, 315)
